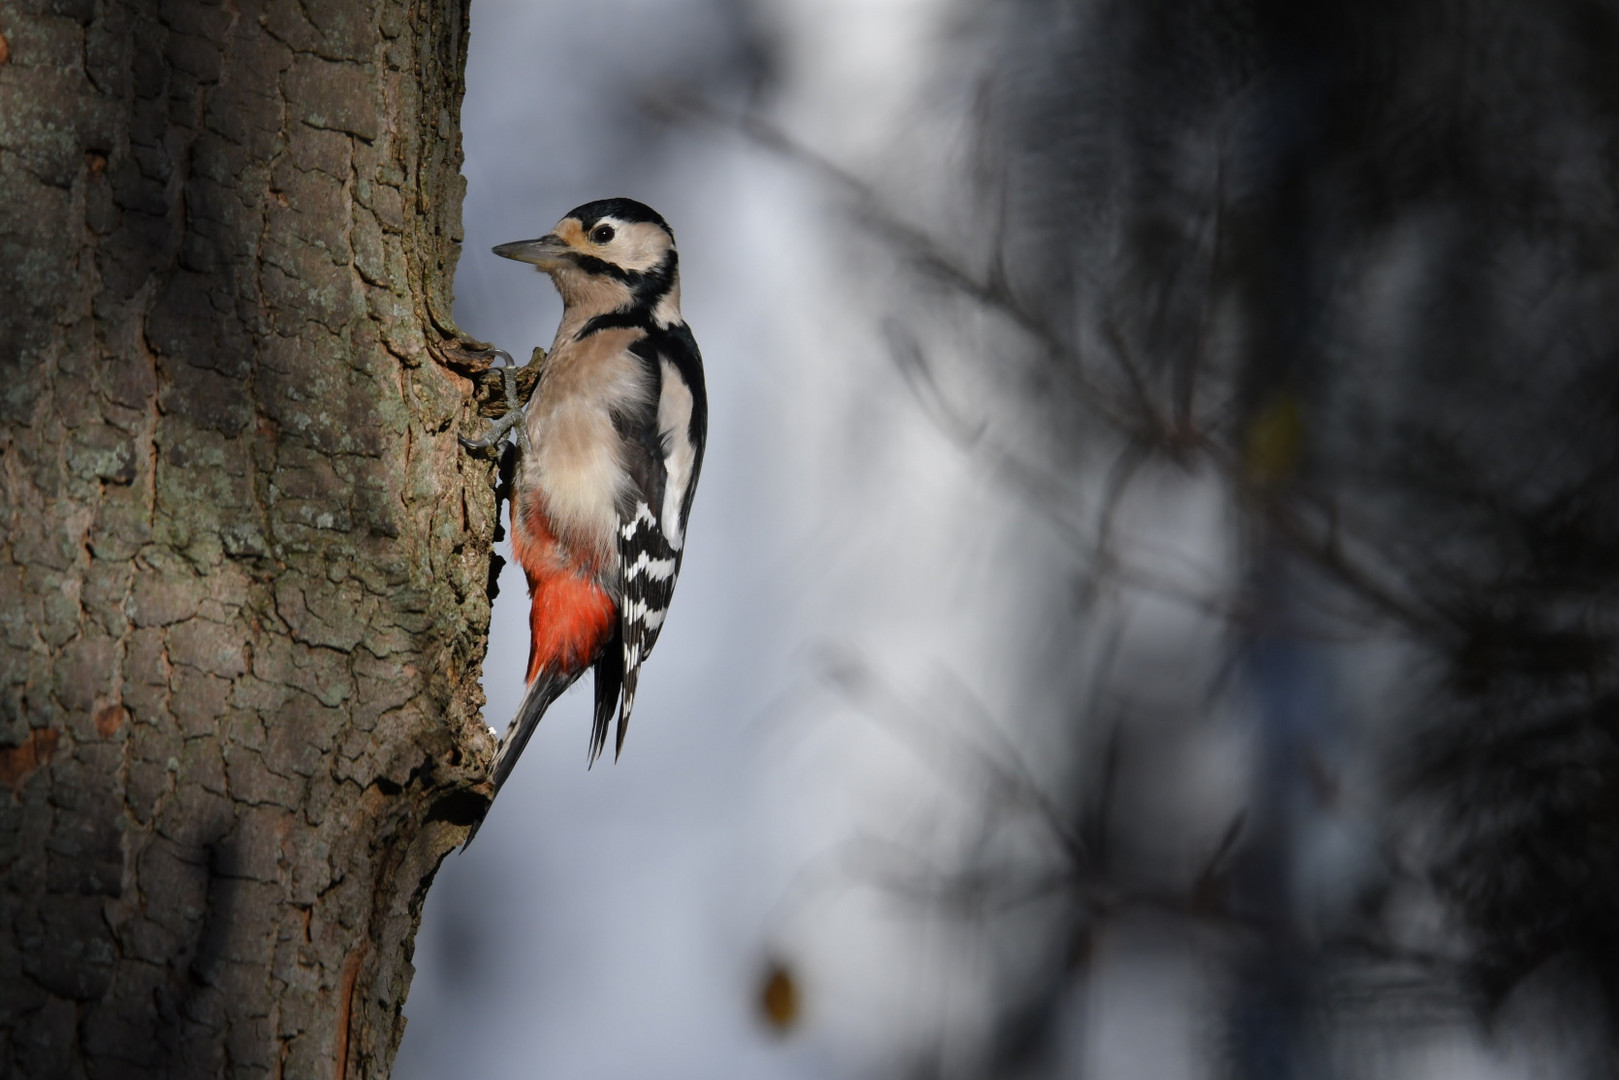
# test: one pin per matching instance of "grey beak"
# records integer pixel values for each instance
(544, 252)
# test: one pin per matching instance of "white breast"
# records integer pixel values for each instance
(575, 467)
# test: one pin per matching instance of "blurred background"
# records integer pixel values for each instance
(1151, 602)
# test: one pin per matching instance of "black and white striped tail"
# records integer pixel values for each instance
(649, 565)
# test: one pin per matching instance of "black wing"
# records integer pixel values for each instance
(664, 443)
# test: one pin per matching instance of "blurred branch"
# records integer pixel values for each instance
(919, 248)
(1084, 878)
(1187, 373)
(1007, 778)
(1043, 491)
(1144, 427)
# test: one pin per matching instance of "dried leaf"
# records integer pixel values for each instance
(779, 997)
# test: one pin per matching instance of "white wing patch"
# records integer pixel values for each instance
(650, 540)
(575, 468)
(674, 424)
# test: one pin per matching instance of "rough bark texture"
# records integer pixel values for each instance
(243, 564)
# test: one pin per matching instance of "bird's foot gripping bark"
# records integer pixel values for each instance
(513, 419)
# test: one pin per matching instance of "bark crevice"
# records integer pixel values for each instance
(243, 560)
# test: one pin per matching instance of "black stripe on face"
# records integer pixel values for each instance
(654, 284)
(647, 287)
(635, 318)
(592, 265)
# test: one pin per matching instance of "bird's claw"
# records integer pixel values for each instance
(497, 432)
(514, 409)
(512, 419)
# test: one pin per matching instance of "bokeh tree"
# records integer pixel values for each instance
(1343, 274)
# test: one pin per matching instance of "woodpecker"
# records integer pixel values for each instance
(610, 447)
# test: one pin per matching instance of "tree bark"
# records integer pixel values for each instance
(244, 569)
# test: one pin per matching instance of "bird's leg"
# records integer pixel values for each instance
(512, 419)
(509, 381)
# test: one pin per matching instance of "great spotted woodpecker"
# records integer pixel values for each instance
(610, 447)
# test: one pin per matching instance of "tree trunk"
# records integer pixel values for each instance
(243, 574)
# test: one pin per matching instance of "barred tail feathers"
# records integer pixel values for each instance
(610, 679)
(631, 677)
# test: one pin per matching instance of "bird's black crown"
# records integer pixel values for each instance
(625, 210)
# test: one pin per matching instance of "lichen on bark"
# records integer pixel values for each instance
(243, 561)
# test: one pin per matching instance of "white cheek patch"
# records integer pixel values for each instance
(639, 246)
(674, 424)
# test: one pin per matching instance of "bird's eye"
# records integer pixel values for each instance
(601, 234)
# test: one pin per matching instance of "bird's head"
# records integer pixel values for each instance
(608, 255)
